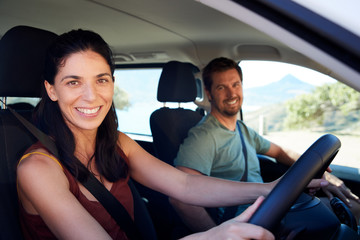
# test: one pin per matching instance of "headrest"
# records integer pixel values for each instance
(22, 56)
(177, 82)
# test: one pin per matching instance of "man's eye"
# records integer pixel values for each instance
(103, 80)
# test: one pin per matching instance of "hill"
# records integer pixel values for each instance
(277, 92)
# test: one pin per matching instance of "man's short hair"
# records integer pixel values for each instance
(220, 64)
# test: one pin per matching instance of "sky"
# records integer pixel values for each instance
(268, 72)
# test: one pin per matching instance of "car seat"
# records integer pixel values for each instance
(22, 54)
(169, 126)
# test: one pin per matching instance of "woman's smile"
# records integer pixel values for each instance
(88, 111)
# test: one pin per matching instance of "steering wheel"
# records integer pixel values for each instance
(312, 164)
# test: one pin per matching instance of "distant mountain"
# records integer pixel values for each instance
(286, 88)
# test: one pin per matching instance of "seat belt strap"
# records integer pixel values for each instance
(231, 211)
(112, 206)
(42, 137)
(97, 189)
(245, 175)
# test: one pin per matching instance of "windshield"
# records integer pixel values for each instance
(293, 106)
(344, 13)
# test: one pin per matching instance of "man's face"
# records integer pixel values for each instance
(226, 95)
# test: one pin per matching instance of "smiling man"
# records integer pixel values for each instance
(222, 146)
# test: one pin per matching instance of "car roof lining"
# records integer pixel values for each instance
(192, 31)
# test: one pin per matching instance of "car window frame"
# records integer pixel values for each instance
(310, 26)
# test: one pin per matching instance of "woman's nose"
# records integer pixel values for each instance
(89, 92)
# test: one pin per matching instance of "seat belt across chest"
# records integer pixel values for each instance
(231, 211)
(98, 190)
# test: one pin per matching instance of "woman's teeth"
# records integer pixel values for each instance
(88, 110)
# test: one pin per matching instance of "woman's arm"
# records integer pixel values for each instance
(236, 228)
(44, 190)
(195, 218)
(193, 189)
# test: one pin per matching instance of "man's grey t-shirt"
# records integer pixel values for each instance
(216, 151)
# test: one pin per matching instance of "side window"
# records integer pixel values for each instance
(23, 100)
(293, 106)
(135, 99)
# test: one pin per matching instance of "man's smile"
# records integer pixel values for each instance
(231, 102)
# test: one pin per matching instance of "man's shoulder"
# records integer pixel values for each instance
(244, 128)
(205, 127)
(242, 124)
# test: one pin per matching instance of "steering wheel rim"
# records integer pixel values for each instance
(312, 164)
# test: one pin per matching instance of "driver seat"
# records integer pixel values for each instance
(22, 55)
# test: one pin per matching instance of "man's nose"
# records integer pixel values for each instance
(230, 92)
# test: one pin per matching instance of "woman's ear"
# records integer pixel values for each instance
(50, 91)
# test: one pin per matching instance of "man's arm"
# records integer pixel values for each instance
(195, 218)
(282, 155)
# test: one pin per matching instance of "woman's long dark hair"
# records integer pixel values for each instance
(48, 116)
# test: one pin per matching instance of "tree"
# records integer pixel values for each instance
(121, 99)
(309, 109)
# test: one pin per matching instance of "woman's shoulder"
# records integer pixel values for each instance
(39, 174)
(130, 148)
(36, 163)
(126, 143)
(37, 155)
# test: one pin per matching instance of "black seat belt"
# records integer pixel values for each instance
(245, 175)
(98, 190)
(231, 211)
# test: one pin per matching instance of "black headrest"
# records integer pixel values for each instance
(22, 55)
(177, 82)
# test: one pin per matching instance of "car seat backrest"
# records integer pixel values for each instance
(169, 127)
(22, 54)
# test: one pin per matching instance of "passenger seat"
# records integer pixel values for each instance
(169, 126)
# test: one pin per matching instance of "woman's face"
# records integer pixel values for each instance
(84, 89)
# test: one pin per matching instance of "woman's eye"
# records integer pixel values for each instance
(72, 83)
